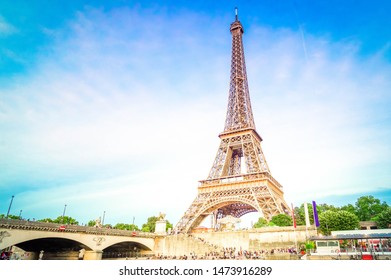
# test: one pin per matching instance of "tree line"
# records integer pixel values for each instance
(332, 218)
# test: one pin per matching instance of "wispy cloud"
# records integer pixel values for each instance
(6, 28)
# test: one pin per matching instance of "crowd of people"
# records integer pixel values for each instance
(230, 253)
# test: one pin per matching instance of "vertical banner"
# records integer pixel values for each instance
(293, 216)
(307, 217)
(316, 219)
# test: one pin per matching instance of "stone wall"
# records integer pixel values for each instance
(182, 244)
(252, 240)
(227, 239)
(278, 237)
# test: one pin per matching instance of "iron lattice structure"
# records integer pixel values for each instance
(239, 181)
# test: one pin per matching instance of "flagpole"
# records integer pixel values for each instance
(307, 220)
(294, 232)
(294, 226)
(316, 218)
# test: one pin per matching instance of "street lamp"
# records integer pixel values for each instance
(20, 214)
(63, 214)
(9, 208)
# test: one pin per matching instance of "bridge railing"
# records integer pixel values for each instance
(45, 226)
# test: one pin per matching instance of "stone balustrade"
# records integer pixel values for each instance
(46, 226)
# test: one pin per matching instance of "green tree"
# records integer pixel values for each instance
(299, 215)
(369, 208)
(146, 228)
(65, 220)
(384, 219)
(91, 223)
(310, 245)
(149, 226)
(13, 217)
(133, 227)
(46, 220)
(262, 222)
(337, 220)
(300, 212)
(282, 220)
(126, 226)
(350, 208)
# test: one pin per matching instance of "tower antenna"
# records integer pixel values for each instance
(236, 13)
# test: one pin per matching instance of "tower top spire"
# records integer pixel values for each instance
(236, 26)
(239, 112)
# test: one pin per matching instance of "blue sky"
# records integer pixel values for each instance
(116, 106)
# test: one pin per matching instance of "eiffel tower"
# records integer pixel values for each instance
(239, 181)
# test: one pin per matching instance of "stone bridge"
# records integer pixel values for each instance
(74, 242)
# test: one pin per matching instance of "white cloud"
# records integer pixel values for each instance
(6, 28)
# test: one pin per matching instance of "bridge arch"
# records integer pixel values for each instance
(29, 239)
(53, 248)
(126, 249)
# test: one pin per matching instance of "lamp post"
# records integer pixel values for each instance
(20, 214)
(63, 214)
(9, 208)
